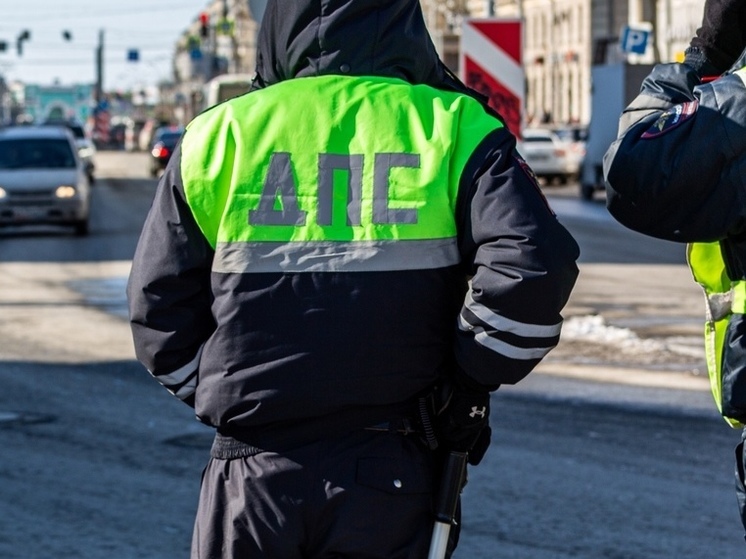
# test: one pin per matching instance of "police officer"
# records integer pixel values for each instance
(322, 255)
(676, 172)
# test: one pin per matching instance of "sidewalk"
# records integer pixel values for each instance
(633, 324)
(626, 324)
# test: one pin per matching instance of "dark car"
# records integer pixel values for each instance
(162, 146)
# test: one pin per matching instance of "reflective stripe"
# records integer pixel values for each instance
(180, 375)
(741, 74)
(502, 347)
(719, 305)
(328, 256)
(739, 297)
(188, 389)
(502, 324)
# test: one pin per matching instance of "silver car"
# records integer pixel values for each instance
(86, 147)
(42, 178)
(548, 156)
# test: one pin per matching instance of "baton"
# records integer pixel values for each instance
(451, 484)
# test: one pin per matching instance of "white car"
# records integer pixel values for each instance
(576, 138)
(548, 156)
(43, 178)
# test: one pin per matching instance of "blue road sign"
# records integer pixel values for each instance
(635, 41)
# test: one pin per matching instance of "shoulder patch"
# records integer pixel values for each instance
(671, 119)
(533, 179)
(526, 169)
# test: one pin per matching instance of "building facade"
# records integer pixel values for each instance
(562, 41)
(57, 102)
(220, 40)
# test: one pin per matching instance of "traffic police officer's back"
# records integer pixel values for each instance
(321, 253)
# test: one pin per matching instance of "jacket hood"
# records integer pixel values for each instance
(303, 38)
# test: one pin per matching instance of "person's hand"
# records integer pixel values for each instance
(721, 39)
(464, 423)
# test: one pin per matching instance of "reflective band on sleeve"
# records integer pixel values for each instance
(502, 324)
(741, 74)
(326, 256)
(188, 389)
(502, 347)
(182, 374)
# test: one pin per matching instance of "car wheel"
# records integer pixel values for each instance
(81, 228)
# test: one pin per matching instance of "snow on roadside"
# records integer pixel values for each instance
(593, 328)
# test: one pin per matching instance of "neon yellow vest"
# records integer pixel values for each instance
(332, 173)
(724, 297)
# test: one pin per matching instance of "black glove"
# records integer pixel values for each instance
(464, 423)
(720, 40)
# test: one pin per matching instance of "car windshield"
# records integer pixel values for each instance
(36, 153)
(169, 138)
(78, 131)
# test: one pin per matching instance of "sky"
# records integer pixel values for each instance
(151, 26)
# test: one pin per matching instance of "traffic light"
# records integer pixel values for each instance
(24, 36)
(204, 24)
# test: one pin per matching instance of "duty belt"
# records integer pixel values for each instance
(404, 425)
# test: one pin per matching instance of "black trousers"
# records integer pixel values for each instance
(365, 495)
(741, 477)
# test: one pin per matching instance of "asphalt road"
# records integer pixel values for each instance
(610, 450)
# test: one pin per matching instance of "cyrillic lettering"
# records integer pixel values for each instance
(382, 213)
(353, 164)
(279, 181)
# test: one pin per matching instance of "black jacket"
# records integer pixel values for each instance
(261, 355)
(676, 171)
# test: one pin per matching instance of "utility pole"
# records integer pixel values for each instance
(99, 92)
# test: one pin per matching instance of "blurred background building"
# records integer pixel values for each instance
(563, 40)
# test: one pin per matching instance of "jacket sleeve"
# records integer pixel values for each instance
(168, 290)
(676, 169)
(523, 267)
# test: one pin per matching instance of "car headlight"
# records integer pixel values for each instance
(3, 193)
(85, 153)
(65, 191)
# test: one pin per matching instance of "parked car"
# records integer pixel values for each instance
(548, 155)
(163, 144)
(42, 178)
(84, 144)
(575, 137)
